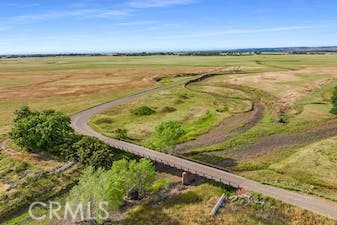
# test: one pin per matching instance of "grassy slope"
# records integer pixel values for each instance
(310, 169)
(30, 184)
(73, 103)
(312, 110)
(196, 111)
(194, 206)
(29, 71)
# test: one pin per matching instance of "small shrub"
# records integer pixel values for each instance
(166, 135)
(222, 109)
(161, 184)
(168, 109)
(3, 197)
(104, 120)
(183, 95)
(178, 101)
(143, 111)
(283, 118)
(121, 134)
(334, 102)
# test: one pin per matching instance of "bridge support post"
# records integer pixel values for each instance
(187, 178)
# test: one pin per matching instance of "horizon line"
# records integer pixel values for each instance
(169, 51)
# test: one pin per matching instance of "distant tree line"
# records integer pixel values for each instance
(234, 52)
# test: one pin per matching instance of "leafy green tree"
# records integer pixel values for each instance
(50, 131)
(93, 152)
(137, 176)
(95, 187)
(334, 102)
(22, 113)
(67, 148)
(121, 168)
(39, 131)
(166, 135)
(112, 185)
(141, 176)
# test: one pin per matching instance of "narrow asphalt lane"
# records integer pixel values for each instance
(80, 124)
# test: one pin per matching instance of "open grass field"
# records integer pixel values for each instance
(71, 84)
(231, 120)
(170, 204)
(21, 182)
(198, 112)
(310, 169)
(24, 176)
(194, 206)
(298, 86)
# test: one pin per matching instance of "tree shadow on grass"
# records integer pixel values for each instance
(216, 160)
(150, 216)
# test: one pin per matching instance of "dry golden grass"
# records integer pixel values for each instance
(289, 86)
(44, 162)
(73, 90)
(193, 208)
(3, 187)
(28, 85)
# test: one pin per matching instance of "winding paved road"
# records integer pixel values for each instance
(80, 124)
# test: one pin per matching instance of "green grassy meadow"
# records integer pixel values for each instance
(194, 206)
(198, 112)
(299, 86)
(310, 169)
(297, 153)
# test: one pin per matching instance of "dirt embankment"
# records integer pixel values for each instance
(228, 128)
(42, 161)
(283, 140)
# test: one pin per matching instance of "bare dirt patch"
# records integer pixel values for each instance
(284, 140)
(4, 187)
(42, 161)
(229, 128)
(289, 86)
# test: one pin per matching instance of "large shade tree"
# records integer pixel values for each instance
(44, 130)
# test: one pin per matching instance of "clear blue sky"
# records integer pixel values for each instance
(57, 26)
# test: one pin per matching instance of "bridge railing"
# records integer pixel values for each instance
(175, 165)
